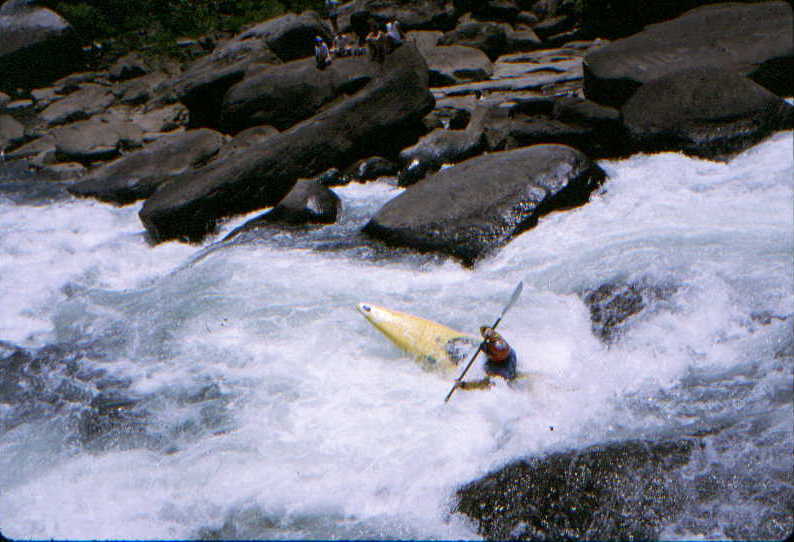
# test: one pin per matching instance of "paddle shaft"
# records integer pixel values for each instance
(513, 298)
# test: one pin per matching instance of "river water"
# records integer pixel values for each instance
(232, 390)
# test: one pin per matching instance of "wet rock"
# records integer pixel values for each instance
(436, 149)
(373, 121)
(612, 305)
(11, 132)
(455, 64)
(37, 46)
(625, 490)
(137, 175)
(371, 168)
(309, 202)
(98, 138)
(478, 205)
(754, 40)
(284, 95)
(706, 112)
(80, 105)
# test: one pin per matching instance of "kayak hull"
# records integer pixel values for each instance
(436, 347)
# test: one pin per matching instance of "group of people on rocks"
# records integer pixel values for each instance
(380, 41)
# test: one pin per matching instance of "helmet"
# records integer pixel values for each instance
(318, 39)
(488, 332)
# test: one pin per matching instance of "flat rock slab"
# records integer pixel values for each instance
(98, 138)
(136, 175)
(80, 105)
(476, 206)
(755, 40)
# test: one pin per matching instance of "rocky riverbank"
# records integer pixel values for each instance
(492, 114)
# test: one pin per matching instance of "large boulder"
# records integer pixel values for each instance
(12, 132)
(290, 36)
(375, 120)
(204, 83)
(436, 149)
(414, 15)
(755, 40)
(474, 207)
(136, 175)
(284, 95)
(36, 46)
(309, 202)
(101, 137)
(618, 491)
(706, 112)
(80, 105)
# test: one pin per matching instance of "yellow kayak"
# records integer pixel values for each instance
(435, 346)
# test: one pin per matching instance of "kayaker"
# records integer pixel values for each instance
(500, 360)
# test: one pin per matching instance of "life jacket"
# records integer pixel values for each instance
(497, 349)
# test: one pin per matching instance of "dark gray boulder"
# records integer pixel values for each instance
(136, 175)
(290, 36)
(706, 112)
(414, 15)
(374, 121)
(309, 202)
(619, 491)
(436, 149)
(755, 40)
(36, 46)
(371, 168)
(205, 82)
(476, 206)
(490, 38)
(128, 67)
(281, 96)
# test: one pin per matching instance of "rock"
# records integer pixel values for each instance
(476, 206)
(45, 144)
(139, 90)
(137, 175)
(12, 132)
(371, 168)
(436, 149)
(490, 38)
(424, 39)
(128, 67)
(4, 99)
(66, 171)
(161, 119)
(603, 124)
(414, 15)
(624, 490)
(247, 139)
(706, 112)
(754, 40)
(37, 46)
(309, 202)
(204, 83)
(553, 25)
(373, 121)
(284, 95)
(75, 81)
(86, 102)
(290, 36)
(496, 10)
(522, 40)
(98, 138)
(455, 64)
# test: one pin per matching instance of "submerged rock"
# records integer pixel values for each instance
(375, 120)
(476, 206)
(755, 40)
(624, 490)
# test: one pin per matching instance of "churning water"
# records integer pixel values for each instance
(232, 390)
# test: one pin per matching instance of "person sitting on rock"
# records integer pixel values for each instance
(394, 35)
(321, 53)
(500, 360)
(340, 46)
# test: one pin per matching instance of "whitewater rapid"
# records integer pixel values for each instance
(266, 407)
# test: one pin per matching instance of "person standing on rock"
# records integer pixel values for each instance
(394, 35)
(321, 54)
(501, 360)
(376, 43)
(332, 9)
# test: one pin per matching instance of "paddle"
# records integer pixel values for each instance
(513, 298)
